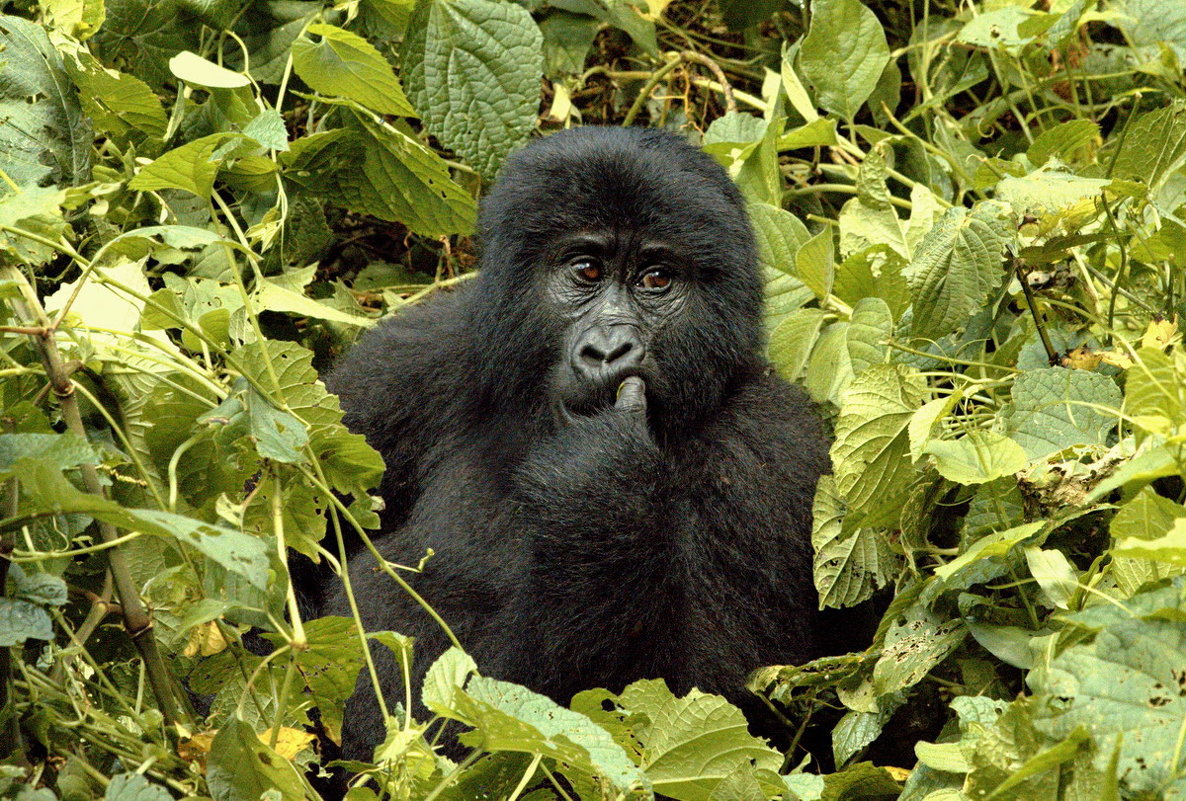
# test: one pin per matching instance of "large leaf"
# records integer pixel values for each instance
(849, 568)
(915, 644)
(958, 265)
(402, 180)
(344, 64)
(50, 492)
(241, 766)
(192, 167)
(142, 35)
(871, 455)
(44, 138)
(1154, 147)
(507, 717)
(1056, 408)
(695, 742)
(473, 68)
(843, 54)
(1128, 688)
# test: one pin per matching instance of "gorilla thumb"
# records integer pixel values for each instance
(632, 396)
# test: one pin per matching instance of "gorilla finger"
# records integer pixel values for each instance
(632, 395)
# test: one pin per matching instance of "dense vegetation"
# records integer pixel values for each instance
(971, 216)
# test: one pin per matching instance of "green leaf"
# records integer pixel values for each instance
(445, 677)
(871, 454)
(240, 766)
(192, 167)
(268, 129)
(1054, 574)
(62, 451)
(870, 327)
(120, 105)
(821, 133)
(843, 54)
(694, 742)
(979, 457)
(402, 180)
(1128, 688)
(863, 780)
(343, 64)
(275, 433)
(913, 647)
(50, 492)
(1154, 395)
(22, 620)
(963, 570)
(35, 210)
(871, 177)
(142, 35)
(957, 266)
(1065, 141)
(875, 272)
(329, 666)
(848, 568)
(1147, 516)
(780, 234)
(814, 263)
(42, 589)
(1154, 147)
(44, 137)
(791, 341)
(277, 296)
(1056, 408)
(77, 18)
(996, 29)
(1170, 548)
(567, 39)
(473, 67)
(829, 370)
(1149, 23)
(134, 787)
(507, 717)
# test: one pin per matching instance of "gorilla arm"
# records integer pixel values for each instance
(693, 566)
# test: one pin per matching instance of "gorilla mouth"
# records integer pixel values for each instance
(583, 398)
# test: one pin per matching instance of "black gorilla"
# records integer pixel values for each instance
(614, 482)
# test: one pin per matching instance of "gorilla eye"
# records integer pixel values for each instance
(588, 269)
(656, 278)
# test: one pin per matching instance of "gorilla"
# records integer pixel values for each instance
(613, 482)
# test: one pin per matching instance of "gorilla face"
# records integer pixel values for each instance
(613, 253)
(618, 295)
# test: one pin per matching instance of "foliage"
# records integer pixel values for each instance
(972, 227)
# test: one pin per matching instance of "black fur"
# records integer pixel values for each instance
(664, 535)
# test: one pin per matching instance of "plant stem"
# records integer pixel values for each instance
(1051, 353)
(137, 620)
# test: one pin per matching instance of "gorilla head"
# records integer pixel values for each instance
(610, 253)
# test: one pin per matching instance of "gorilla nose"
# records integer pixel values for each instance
(608, 351)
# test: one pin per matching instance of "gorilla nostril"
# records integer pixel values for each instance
(592, 355)
(619, 352)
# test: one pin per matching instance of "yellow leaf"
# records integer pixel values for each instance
(289, 743)
(1160, 334)
(205, 640)
(196, 748)
(1083, 358)
(655, 8)
(1118, 358)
